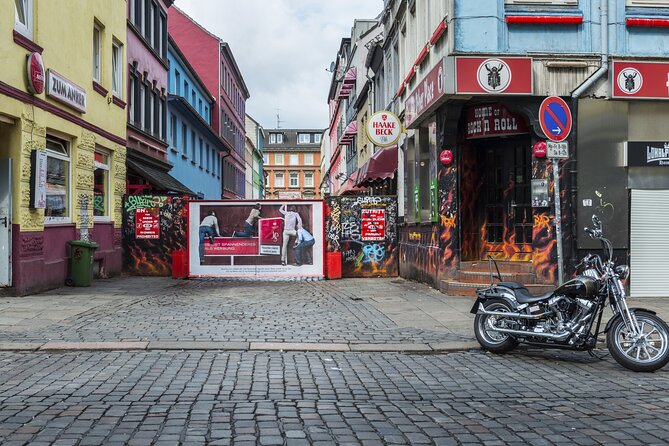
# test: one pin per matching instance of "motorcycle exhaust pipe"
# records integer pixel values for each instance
(505, 314)
(555, 337)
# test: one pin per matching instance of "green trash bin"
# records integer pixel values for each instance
(81, 262)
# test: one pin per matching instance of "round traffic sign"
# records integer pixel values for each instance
(555, 118)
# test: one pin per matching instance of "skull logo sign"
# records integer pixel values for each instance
(630, 80)
(494, 75)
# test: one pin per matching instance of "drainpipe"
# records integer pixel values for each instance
(602, 71)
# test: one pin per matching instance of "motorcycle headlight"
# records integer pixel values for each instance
(623, 271)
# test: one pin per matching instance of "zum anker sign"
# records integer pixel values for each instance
(647, 153)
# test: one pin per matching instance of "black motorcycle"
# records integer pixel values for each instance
(570, 317)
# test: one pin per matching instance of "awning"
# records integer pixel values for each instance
(348, 83)
(382, 165)
(158, 178)
(349, 187)
(349, 132)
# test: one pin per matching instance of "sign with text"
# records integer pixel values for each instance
(147, 223)
(504, 75)
(270, 231)
(640, 80)
(38, 180)
(62, 90)
(493, 120)
(229, 246)
(384, 129)
(36, 74)
(373, 224)
(648, 153)
(427, 93)
(559, 150)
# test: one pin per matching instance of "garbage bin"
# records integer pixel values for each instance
(81, 262)
(333, 265)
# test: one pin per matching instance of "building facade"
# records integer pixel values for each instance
(292, 162)
(62, 138)
(214, 62)
(195, 150)
(255, 141)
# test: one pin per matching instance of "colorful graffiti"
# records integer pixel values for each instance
(153, 257)
(544, 253)
(448, 212)
(343, 233)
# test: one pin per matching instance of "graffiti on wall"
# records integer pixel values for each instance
(364, 230)
(448, 211)
(153, 256)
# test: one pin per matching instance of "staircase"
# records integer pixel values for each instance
(474, 275)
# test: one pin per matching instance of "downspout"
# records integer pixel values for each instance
(602, 71)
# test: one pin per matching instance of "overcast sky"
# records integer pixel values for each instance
(282, 48)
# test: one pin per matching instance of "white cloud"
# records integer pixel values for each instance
(282, 48)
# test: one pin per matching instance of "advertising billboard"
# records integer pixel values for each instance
(240, 239)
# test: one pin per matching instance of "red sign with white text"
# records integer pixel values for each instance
(427, 92)
(147, 223)
(270, 232)
(491, 75)
(373, 224)
(640, 80)
(229, 246)
(490, 120)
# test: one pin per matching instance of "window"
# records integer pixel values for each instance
(177, 83)
(208, 158)
(131, 98)
(117, 70)
(294, 159)
(201, 153)
(317, 138)
(199, 106)
(303, 138)
(23, 18)
(133, 14)
(541, 2)
(272, 138)
(278, 179)
(279, 138)
(151, 28)
(142, 105)
(308, 179)
(184, 140)
(265, 159)
(96, 52)
(192, 145)
(294, 179)
(648, 3)
(102, 185)
(162, 27)
(278, 159)
(57, 182)
(309, 159)
(186, 88)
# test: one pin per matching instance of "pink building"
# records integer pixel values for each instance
(215, 64)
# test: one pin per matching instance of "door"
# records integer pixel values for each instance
(507, 228)
(5, 222)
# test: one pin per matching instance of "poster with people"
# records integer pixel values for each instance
(237, 239)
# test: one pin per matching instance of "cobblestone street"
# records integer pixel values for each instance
(375, 362)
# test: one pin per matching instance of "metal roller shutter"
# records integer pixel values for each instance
(649, 249)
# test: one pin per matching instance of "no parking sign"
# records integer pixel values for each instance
(555, 118)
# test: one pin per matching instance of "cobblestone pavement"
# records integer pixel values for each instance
(212, 310)
(274, 398)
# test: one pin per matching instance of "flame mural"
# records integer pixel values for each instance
(448, 221)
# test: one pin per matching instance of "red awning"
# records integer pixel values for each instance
(349, 132)
(350, 76)
(349, 186)
(381, 166)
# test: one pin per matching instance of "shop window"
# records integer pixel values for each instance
(308, 179)
(411, 185)
(23, 18)
(427, 172)
(309, 159)
(57, 182)
(102, 185)
(97, 39)
(117, 69)
(278, 179)
(294, 179)
(278, 159)
(294, 159)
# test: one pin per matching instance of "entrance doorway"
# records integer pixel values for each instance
(497, 202)
(5, 221)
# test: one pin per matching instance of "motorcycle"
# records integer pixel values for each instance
(570, 317)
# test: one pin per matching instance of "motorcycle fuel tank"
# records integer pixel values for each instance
(581, 286)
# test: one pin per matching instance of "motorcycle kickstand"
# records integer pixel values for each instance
(595, 355)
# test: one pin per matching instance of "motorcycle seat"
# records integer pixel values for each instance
(523, 296)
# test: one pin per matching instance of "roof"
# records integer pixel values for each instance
(158, 177)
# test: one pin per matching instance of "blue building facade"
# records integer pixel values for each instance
(195, 150)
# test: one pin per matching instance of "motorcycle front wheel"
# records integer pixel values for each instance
(647, 352)
(490, 340)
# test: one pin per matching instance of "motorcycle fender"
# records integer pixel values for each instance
(475, 307)
(632, 310)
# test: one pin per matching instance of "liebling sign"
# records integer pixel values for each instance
(384, 129)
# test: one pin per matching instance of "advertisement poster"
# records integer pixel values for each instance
(147, 223)
(373, 224)
(237, 239)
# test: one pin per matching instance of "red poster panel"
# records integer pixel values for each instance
(483, 75)
(147, 223)
(270, 232)
(373, 224)
(640, 80)
(229, 246)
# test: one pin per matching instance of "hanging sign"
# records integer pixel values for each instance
(504, 75)
(384, 129)
(490, 120)
(372, 224)
(36, 74)
(147, 223)
(640, 80)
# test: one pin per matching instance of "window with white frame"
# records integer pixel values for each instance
(23, 17)
(309, 159)
(278, 159)
(102, 185)
(97, 39)
(542, 2)
(294, 179)
(294, 159)
(272, 138)
(303, 138)
(265, 159)
(648, 3)
(308, 179)
(117, 69)
(317, 138)
(278, 179)
(57, 181)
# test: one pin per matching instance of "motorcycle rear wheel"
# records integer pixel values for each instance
(492, 341)
(649, 352)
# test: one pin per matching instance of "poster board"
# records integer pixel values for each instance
(267, 250)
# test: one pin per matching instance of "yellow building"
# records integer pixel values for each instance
(62, 137)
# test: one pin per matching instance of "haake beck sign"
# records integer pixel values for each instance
(384, 129)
